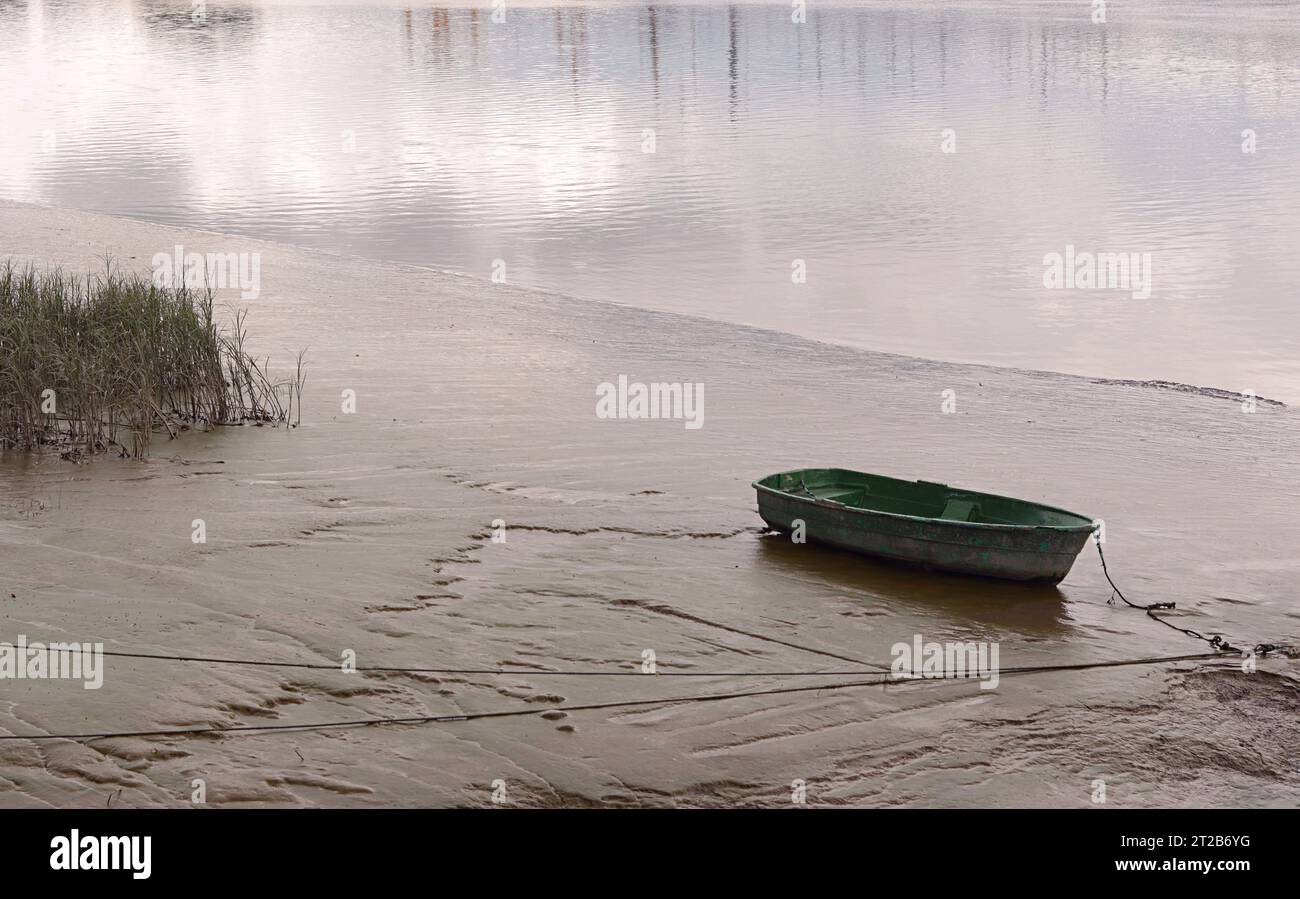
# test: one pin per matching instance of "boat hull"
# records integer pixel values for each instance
(1021, 553)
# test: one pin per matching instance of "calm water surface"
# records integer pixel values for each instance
(435, 136)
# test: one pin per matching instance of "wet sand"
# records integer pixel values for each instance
(475, 402)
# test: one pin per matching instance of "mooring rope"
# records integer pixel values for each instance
(873, 667)
(1215, 640)
(594, 706)
(618, 672)
(551, 672)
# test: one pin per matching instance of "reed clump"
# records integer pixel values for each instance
(100, 363)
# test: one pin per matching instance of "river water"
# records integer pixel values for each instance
(370, 532)
(436, 136)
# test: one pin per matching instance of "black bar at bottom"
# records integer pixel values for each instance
(333, 848)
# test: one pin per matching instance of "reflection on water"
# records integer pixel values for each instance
(1001, 608)
(439, 137)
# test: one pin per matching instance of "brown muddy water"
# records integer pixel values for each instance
(475, 402)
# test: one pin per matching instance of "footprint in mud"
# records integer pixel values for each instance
(528, 696)
(554, 715)
(567, 729)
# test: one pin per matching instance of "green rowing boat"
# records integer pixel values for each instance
(924, 523)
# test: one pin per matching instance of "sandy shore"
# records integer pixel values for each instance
(475, 402)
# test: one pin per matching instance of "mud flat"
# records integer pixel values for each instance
(371, 532)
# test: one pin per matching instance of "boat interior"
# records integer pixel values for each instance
(921, 499)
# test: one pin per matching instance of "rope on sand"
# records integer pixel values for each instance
(1216, 640)
(615, 705)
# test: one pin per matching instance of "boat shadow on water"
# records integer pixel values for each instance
(1030, 609)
